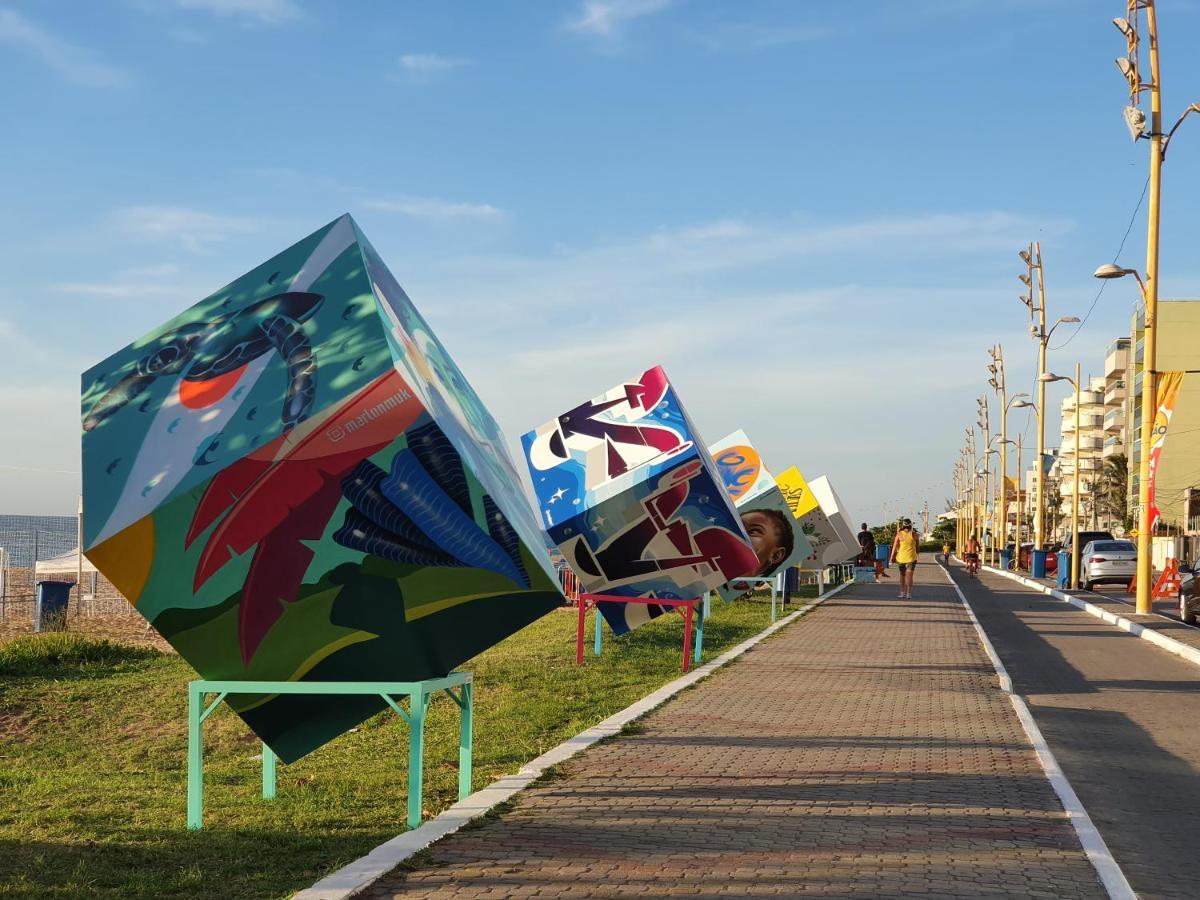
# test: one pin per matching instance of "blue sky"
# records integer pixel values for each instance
(808, 212)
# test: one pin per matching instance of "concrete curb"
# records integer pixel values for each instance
(362, 873)
(1107, 868)
(1180, 649)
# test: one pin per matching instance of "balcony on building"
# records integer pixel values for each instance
(1114, 445)
(1116, 359)
(1114, 421)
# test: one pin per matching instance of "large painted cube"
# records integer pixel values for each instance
(774, 533)
(630, 495)
(835, 511)
(292, 480)
(823, 537)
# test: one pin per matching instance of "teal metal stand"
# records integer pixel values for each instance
(705, 607)
(419, 694)
(599, 631)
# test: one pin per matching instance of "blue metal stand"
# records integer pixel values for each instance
(419, 694)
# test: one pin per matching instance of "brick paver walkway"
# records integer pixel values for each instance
(866, 751)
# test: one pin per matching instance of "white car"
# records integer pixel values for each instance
(1107, 562)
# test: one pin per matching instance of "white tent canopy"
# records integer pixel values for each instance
(63, 564)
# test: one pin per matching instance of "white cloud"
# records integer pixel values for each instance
(604, 18)
(191, 229)
(437, 210)
(75, 64)
(427, 65)
(262, 12)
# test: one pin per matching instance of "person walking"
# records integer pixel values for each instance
(904, 555)
(946, 553)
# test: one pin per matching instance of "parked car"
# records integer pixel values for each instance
(1107, 562)
(1189, 593)
(1051, 557)
(1085, 538)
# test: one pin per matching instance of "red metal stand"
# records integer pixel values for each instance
(589, 601)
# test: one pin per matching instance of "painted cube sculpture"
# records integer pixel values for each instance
(631, 497)
(835, 511)
(293, 480)
(769, 521)
(822, 536)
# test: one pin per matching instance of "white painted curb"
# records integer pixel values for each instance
(1097, 851)
(360, 874)
(1180, 649)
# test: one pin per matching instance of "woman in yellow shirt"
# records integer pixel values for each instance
(904, 554)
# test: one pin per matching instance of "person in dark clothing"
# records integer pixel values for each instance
(866, 547)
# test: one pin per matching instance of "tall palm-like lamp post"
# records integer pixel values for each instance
(1047, 378)
(1135, 119)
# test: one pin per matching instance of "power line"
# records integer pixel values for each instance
(1116, 256)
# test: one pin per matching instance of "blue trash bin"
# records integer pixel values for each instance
(882, 553)
(1005, 560)
(1064, 569)
(50, 608)
(1039, 563)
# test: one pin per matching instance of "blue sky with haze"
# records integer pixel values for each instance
(808, 212)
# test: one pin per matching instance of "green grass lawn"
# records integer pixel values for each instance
(93, 767)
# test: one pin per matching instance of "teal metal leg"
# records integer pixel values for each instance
(195, 772)
(466, 740)
(771, 585)
(700, 630)
(268, 773)
(599, 633)
(416, 756)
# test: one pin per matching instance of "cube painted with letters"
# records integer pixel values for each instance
(292, 480)
(631, 497)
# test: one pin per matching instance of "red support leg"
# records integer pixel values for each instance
(687, 636)
(579, 632)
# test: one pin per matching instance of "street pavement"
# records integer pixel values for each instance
(864, 751)
(1121, 717)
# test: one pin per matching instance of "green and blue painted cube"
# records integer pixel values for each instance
(292, 480)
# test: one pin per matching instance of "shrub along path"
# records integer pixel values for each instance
(93, 743)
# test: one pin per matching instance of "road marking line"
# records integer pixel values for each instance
(360, 874)
(1180, 649)
(1097, 851)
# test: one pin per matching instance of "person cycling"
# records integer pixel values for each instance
(972, 555)
(904, 554)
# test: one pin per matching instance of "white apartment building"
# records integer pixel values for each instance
(1091, 449)
(1116, 362)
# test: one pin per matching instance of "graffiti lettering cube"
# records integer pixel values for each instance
(630, 495)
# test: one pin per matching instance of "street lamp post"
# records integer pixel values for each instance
(1075, 548)
(1136, 120)
(984, 422)
(1000, 387)
(1024, 404)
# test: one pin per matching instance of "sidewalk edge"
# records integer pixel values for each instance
(1180, 649)
(1101, 858)
(362, 873)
